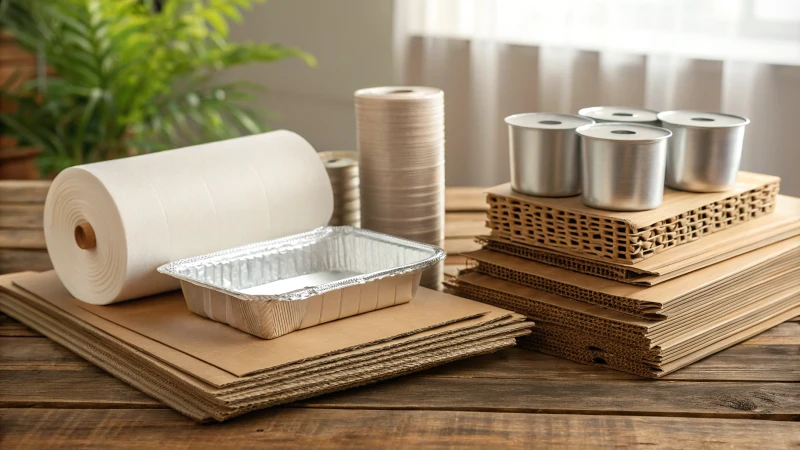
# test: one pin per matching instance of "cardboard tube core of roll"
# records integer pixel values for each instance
(85, 237)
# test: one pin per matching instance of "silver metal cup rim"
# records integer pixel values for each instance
(508, 119)
(587, 112)
(663, 116)
(580, 130)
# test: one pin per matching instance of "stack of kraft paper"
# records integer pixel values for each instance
(643, 292)
(210, 371)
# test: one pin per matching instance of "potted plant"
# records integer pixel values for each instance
(131, 76)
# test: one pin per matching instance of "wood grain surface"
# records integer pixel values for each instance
(747, 396)
(23, 259)
(23, 191)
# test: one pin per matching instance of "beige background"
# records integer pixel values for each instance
(354, 43)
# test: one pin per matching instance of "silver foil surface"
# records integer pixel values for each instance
(272, 288)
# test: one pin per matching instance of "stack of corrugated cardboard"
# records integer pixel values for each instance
(644, 292)
(210, 371)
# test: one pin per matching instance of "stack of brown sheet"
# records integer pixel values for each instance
(782, 224)
(653, 316)
(209, 371)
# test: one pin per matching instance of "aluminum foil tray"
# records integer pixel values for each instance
(272, 288)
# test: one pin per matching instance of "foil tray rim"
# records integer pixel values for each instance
(438, 255)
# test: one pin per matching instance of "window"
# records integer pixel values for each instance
(766, 31)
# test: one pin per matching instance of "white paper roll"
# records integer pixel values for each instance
(151, 209)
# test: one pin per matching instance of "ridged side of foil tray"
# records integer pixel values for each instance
(274, 287)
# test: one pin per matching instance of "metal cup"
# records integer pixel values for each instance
(705, 150)
(623, 166)
(545, 153)
(602, 114)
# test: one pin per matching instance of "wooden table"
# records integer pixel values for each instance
(746, 396)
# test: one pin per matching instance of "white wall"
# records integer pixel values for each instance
(352, 41)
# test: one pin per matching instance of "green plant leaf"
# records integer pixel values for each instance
(130, 78)
(216, 20)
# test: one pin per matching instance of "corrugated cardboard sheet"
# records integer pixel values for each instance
(209, 371)
(592, 334)
(566, 225)
(590, 349)
(782, 224)
(667, 299)
(698, 316)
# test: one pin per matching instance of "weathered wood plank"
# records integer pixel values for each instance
(21, 260)
(21, 215)
(329, 428)
(88, 387)
(80, 387)
(37, 354)
(465, 199)
(774, 363)
(28, 238)
(23, 191)
(784, 334)
(772, 401)
(11, 328)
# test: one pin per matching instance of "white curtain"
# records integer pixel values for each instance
(494, 58)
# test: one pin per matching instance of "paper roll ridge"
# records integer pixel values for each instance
(152, 209)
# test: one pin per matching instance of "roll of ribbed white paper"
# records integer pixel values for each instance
(147, 210)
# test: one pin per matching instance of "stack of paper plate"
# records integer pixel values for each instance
(342, 167)
(401, 164)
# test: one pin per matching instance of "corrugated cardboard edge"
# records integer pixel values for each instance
(223, 381)
(509, 324)
(170, 396)
(746, 181)
(166, 319)
(562, 336)
(642, 369)
(542, 306)
(646, 302)
(783, 223)
(627, 238)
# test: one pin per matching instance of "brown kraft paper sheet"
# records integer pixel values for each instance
(165, 318)
(542, 306)
(653, 301)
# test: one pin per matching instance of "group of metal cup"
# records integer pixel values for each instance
(619, 159)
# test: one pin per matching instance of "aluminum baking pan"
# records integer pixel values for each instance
(272, 288)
